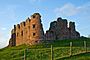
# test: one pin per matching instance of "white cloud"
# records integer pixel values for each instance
(3, 40)
(70, 9)
(67, 10)
(3, 28)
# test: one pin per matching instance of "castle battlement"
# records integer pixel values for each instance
(18, 26)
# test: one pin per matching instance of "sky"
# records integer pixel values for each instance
(13, 12)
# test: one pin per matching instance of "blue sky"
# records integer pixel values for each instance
(15, 11)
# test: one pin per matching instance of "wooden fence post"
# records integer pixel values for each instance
(25, 54)
(70, 48)
(85, 46)
(12, 55)
(51, 52)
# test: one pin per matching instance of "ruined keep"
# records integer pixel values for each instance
(60, 30)
(31, 31)
(27, 32)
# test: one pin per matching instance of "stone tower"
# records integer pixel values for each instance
(36, 28)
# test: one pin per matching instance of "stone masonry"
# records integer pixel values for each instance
(27, 32)
(31, 31)
(59, 30)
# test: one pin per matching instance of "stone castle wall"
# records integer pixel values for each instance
(27, 32)
(31, 31)
(59, 30)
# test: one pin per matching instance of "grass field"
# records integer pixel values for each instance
(83, 56)
(43, 51)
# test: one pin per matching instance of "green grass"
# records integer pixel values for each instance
(42, 51)
(83, 56)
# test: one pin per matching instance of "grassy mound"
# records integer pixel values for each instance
(61, 48)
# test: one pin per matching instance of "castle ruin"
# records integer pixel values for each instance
(60, 30)
(31, 31)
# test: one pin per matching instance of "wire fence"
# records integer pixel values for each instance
(52, 53)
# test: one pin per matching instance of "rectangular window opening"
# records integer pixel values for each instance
(21, 33)
(34, 34)
(33, 25)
